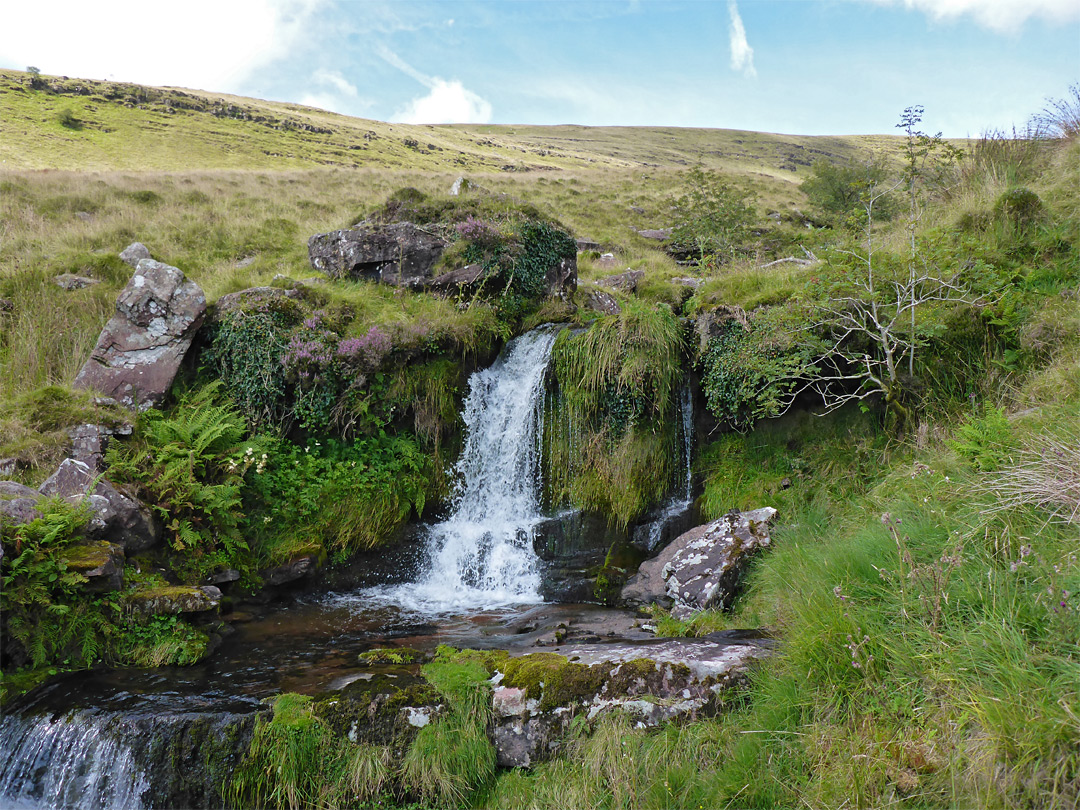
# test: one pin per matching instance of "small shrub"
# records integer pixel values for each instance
(985, 441)
(67, 119)
(712, 216)
(1019, 210)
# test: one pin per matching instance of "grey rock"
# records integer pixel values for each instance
(626, 282)
(691, 282)
(89, 443)
(701, 568)
(175, 599)
(18, 504)
(401, 253)
(84, 216)
(8, 466)
(291, 571)
(451, 282)
(462, 185)
(658, 234)
(254, 299)
(141, 347)
(654, 682)
(135, 253)
(247, 261)
(113, 516)
(600, 301)
(70, 281)
(584, 245)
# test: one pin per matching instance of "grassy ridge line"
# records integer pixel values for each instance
(132, 127)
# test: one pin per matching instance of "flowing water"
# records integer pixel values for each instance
(95, 739)
(652, 535)
(481, 557)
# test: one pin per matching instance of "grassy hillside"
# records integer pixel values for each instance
(124, 126)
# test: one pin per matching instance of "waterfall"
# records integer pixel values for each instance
(79, 760)
(669, 518)
(481, 556)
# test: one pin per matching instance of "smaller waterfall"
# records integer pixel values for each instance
(481, 556)
(79, 761)
(650, 536)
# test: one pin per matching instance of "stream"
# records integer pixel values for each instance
(97, 739)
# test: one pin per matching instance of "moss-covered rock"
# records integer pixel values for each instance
(175, 599)
(101, 562)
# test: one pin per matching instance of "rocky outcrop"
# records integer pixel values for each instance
(89, 443)
(538, 697)
(400, 253)
(626, 282)
(101, 562)
(455, 280)
(114, 517)
(701, 569)
(140, 349)
(583, 559)
(302, 564)
(602, 302)
(18, 504)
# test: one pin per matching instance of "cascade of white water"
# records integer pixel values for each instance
(73, 761)
(481, 556)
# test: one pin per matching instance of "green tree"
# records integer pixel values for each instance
(712, 216)
(839, 188)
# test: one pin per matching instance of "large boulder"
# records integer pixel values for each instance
(114, 516)
(701, 568)
(141, 347)
(400, 253)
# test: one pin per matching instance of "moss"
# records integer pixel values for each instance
(371, 711)
(392, 655)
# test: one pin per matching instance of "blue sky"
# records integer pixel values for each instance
(795, 66)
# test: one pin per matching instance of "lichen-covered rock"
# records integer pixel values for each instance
(701, 568)
(627, 282)
(102, 563)
(70, 281)
(536, 697)
(89, 443)
(258, 299)
(400, 253)
(113, 516)
(140, 349)
(175, 599)
(602, 302)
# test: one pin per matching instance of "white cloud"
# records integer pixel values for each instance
(204, 44)
(334, 79)
(742, 55)
(447, 103)
(1000, 15)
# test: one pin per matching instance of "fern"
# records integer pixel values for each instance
(190, 466)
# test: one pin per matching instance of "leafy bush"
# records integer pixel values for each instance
(838, 189)
(751, 369)
(712, 216)
(984, 440)
(67, 119)
(344, 496)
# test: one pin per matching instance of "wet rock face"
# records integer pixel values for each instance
(101, 562)
(400, 253)
(583, 558)
(141, 347)
(701, 569)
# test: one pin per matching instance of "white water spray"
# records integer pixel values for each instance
(481, 556)
(75, 761)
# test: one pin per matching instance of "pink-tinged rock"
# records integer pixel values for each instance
(141, 347)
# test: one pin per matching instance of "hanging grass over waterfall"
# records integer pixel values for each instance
(610, 434)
